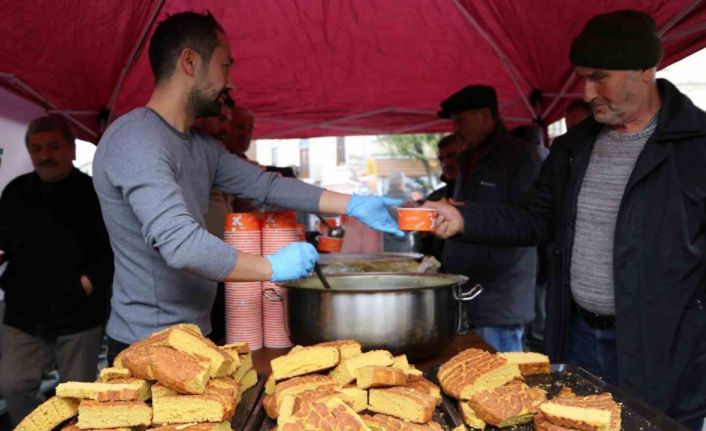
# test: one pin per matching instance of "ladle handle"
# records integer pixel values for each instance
(320, 274)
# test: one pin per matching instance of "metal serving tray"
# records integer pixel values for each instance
(635, 415)
(258, 421)
(248, 402)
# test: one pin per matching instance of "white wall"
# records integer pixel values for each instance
(15, 115)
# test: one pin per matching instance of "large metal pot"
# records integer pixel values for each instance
(335, 263)
(403, 313)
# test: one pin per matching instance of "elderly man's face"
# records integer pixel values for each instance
(448, 159)
(241, 129)
(616, 96)
(473, 126)
(52, 155)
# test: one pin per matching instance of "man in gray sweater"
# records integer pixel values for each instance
(153, 176)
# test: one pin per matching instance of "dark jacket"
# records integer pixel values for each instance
(502, 169)
(52, 233)
(659, 253)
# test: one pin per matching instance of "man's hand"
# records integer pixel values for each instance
(449, 221)
(87, 285)
(371, 211)
(293, 261)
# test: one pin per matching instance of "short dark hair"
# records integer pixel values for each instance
(51, 123)
(579, 104)
(182, 30)
(448, 140)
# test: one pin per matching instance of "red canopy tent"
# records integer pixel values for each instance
(327, 67)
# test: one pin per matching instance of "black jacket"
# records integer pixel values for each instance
(659, 252)
(504, 170)
(52, 233)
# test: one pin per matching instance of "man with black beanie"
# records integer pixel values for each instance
(622, 200)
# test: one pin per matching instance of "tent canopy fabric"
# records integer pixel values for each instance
(323, 67)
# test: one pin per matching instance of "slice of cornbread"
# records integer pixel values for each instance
(470, 417)
(346, 348)
(126, 389)
(290, 404)
(542, 424)
(245, 366)
(380, 422)
(74, 427)
(187, 341)
(505, 406)
(110, 373)
(241, 347)
(400, 362)
(530, 363)
(371, 376)
(602, 401)
(473, 370)
(326, 414)
(304, 361)
(248, 381)
(344, 373)
(413, 374)
(49, 414)
(295, 386)
(187, 326)
(184, 409)
(159, 390)
(225, 386)
(403, 403)
(427, 387)
(113, 414)
(183, 372)
(580, 418)
(136, 358)
(233, 364)
(205, 426)
(355, 397)
(270, 385)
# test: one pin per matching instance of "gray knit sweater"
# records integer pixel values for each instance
(612, 161)
(153, 184)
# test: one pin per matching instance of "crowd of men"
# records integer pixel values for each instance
(619, 205)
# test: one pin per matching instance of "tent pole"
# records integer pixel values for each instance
(131, 61)
(686, 32)
(511, 69)
(17, 82)
(559, 96)
(678, 17)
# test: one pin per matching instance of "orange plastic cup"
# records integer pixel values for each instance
(280, 220)
(417, 219)
(242, 222)
(330, 244)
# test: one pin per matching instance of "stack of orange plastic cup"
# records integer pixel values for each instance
(244, 299)
(279, 229)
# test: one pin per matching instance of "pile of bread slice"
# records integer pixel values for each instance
(335, 385)
(173, 379)
(491, 390)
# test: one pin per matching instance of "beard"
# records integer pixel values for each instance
(202, 104)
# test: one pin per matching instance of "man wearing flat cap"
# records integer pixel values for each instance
(494, 168)
(622, 200)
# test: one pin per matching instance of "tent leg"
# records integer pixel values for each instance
(112, 101)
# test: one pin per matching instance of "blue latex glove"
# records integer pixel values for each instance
(293, 261)
(371, 211)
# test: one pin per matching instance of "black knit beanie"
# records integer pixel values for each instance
(620, 40)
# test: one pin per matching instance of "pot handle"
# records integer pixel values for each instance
(469, 295)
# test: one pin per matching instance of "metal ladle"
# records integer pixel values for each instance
(333, 232)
